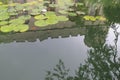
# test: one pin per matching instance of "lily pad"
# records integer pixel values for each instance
(72, 14)
(41, 23)
(4, 16)
(25, 17)
(51, 21)
(40, 17)
(1, 3)
(21, 28)
(53, 5)
(80, 12)
(3, 23)
(17, 21)
(35, 12)
(62, 18)
(50, 13)
(86, 17)
(91, 18)
(18, 7)
(63, 12)
(6, 29)
(102, 18)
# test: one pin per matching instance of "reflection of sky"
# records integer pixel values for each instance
(29, 61)
(111, 37)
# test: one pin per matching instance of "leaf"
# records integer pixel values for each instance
(17, 21)
(4, 16)
(25, 17)
(1, 3)
(6, 29)
(86, 17)
(102, 18)
(20, 28)
(63, 12)
(62, 18)
(40, 17)
(23, 28)
(50, 13)
(41, 23)
(3, 23)
(72, 14)
(51, 21)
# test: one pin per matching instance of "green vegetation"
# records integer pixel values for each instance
(17, 14)
(92, 18)
(48, 19)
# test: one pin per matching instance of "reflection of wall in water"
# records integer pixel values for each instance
(41, 35)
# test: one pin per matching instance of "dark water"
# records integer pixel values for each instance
(30, 59)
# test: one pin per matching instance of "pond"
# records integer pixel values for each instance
(54, 40)
(30, 59)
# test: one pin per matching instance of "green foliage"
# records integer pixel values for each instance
(21, 28)
(6, 29)
(112, 13)
(3, 23)
(72, 14)
(41, 23)
(4, 15)
(49, 19)
(40, 17)
(24, 17)
(62, 18)
(17, 21)
(14, 28)
(59, 72)
(92, 18)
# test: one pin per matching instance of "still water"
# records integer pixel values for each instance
(30, 60)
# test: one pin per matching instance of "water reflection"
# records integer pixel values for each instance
(101, 64)
(95, 36)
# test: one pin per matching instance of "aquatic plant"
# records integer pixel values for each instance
(63, 11)
(53, 5)
(1, 3)
(14, 28)
(40, 17)
(48, 19)
(6, 29)
(24, 17)
(94, 18)
(72, 14)
(3, 23)
(4, 16)
(62, 18)
(17, 21)
(35, 12)
(41, 23)
(21, 28)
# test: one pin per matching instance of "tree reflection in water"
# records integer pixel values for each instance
(102, 64)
